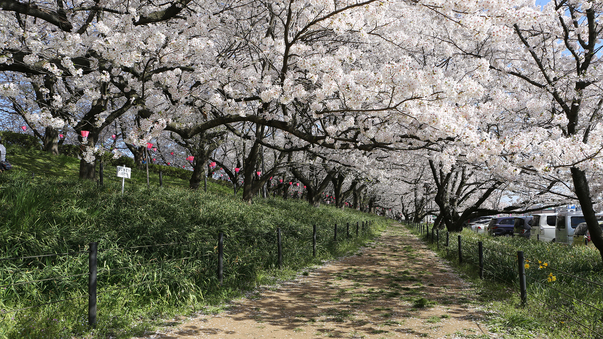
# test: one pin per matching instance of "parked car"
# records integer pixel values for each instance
(543, 226)
(480, 224)
(501, 226)
(565, 225)
(582, 234)
(522, 227)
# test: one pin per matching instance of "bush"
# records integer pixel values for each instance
(26, 141)
(123, 161)
(69, 150)
(171, 171)
(153, 168)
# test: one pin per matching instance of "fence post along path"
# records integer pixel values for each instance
(96, 277)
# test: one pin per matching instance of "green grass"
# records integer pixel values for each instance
(549, 301)
(37, 163)
(53, 212)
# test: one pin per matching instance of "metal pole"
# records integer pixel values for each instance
(522, 277)
(160, 178)
(220, 257)
(357, 227)
(92, 268)
(314, 240)
(280, 248)
(123, 182)
(348, 230)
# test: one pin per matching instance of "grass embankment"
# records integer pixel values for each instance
(35, 163)
(138, 287)
(564, 285)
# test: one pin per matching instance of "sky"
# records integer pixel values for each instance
(542, 2)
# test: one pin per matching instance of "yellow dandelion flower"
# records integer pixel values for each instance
(527, 266)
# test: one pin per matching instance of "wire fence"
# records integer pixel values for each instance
(566, 296)
(98, 270)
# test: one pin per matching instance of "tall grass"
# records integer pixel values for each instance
(564, 284)
(138, 287)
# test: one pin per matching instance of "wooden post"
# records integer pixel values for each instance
(280, 248)
(92, 268)
(335, 233)
(460, 251)
(100, 173)
(438, 239)
(480, 247)
(522, 277)
(220, 257)
(314, 240)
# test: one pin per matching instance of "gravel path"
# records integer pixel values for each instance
(393, 288)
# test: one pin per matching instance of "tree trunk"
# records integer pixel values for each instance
(583, 193)
(87, 170)
(51, 141)
(337, 186)
(198, 173)
(249, 186)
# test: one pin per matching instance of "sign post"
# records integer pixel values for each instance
(123, 173)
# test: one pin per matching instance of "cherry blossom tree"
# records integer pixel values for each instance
(545, 107)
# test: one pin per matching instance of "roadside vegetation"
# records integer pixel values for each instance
(173, 267)
(564, 284)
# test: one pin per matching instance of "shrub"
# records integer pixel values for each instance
(69, 150)
(26, 141)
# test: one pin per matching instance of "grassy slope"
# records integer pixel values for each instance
(552, 305)
(54, 213)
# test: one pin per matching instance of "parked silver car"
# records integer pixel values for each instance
(480, 224)
(543, 226)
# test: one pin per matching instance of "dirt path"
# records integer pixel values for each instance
(394, 288)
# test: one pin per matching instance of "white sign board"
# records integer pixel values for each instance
(123, 172)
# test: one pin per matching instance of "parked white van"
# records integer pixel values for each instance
(543, 226)
(565, 225)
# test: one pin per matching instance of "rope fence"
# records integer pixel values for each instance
(213, 252)
(504, 264)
